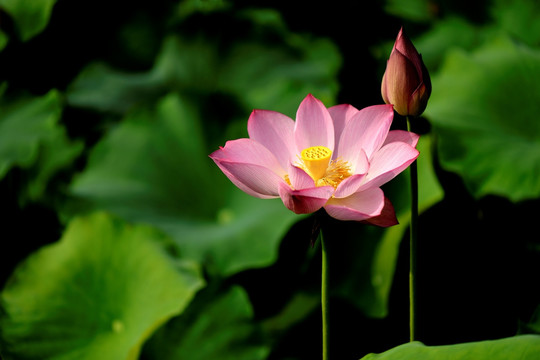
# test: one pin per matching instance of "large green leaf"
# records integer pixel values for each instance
(23, 125)
(447, 33)
(154, 168)
(257, 75)
(484, 110)
(30, 16)
(519, 18)
(99, 292)
(265, 77)
(180, 65)
(525, 347)
(214, 327)
(32, 138)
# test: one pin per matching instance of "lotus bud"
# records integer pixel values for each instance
(406, 83)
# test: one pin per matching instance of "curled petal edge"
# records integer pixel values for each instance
(252, 179)
(305, 201)
(359, 206)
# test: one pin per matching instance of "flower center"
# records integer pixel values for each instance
(316, 160)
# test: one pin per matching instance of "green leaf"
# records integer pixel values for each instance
(264, 76)
(4, 39)
(533, 326)
(214, 327)
(372, 255)
(259, 76)
(154, 168)
(525, 347)
(189, 7)
(415, 10)
(294, 312)
(485, 116)
(181, 65)
(30, 16)
(519, 18)
(56, 153)
(448, 33)
(32, 138)
(99, 292)
(23, 125)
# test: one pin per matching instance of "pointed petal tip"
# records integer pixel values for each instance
(215, 155)
(314, 125)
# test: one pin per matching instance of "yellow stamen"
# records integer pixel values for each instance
(337, 171)
(316, 160)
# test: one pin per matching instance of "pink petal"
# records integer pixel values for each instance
(359, 162)
(359, 206)
(256, 179)
(349, 186)
(402, 136)
(276, 132)
(341, 114)
(299, 178)
(248, 151)
(388, 162)
(245, 188)
(366, 130)
(313, 125)
(387, 216)
(305, 201)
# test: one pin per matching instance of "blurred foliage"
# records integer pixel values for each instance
(32, 138)
(487, 136)
(224, 329)
(525, 347)
(107, 287)
(121, 236)
(30, 16)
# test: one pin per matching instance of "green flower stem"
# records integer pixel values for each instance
(325, 299)
(413, 243)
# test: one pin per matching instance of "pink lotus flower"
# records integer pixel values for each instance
(336, 158)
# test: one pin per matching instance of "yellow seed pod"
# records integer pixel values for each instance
(316, 160)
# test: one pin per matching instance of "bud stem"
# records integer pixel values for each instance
(413, 244)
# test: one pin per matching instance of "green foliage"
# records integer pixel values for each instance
(448, 33)
(483, 115)
(23, 126)
(97, 293)
(217, 327)
(524, 347)
(259, 76)
(30, 16)
(32, 138)
(519, 18)
(415, 10)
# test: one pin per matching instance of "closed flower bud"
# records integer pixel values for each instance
(406, 83)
